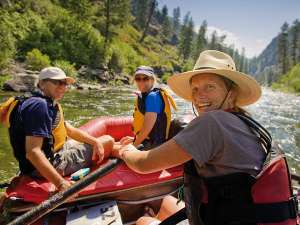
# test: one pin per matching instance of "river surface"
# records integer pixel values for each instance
(278, 112)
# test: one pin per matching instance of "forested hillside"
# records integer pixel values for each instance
(110, 35)
(278, 64)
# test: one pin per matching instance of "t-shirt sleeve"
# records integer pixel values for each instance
(36, 119)
(202, 138)
(153, 103)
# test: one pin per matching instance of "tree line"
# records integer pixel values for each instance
(118, 34)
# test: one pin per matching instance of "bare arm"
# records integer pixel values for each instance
(165, 156)
(101, 146)
(149, 121)
(79, 135)
(35, 155)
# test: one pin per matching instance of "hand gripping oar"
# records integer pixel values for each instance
(56, 200)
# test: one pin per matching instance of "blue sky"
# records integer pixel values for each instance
(248, 23)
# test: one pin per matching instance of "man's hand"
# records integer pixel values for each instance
(64, 185)
(126, 140)
(98, 151)
(118, 150)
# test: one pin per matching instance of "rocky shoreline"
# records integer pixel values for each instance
(24, 80)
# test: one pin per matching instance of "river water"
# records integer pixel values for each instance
(278, 112)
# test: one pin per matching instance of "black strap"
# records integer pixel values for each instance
(260, 213)
(175, 218)
(262, 133)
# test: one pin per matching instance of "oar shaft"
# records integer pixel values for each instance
(56, 200)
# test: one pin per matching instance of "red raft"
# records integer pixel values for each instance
(128, 188)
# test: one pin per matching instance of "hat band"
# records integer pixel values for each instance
(204, 68)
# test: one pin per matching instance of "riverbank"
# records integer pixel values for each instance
(18, 78)
(289, 82)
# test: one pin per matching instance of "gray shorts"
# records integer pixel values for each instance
(72, 157)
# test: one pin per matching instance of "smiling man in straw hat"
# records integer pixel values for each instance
(223, 149)
(38, 132)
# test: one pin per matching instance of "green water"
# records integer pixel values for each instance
(278, 112)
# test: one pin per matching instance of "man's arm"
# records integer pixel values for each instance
(79, 135)
(38, 159)
(101, 146)
(149, 121)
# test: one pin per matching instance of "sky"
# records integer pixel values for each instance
(247, 23)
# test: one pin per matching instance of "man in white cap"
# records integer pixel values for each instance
(38, 133)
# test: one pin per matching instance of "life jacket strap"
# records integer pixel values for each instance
(175, 218)
(257, 212)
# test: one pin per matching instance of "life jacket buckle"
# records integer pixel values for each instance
(293, 206)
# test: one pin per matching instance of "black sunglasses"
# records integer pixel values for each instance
(57, 82)
(141, 79)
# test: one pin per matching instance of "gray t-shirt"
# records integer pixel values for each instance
(221, 143)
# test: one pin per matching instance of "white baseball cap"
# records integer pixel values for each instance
(55, 73)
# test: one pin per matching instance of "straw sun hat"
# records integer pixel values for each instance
(216, 62)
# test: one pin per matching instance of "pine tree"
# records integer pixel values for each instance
(201, 41)
(151, 12)
(165, 21)
(282, 54)
(82, 8)
(116, 14)
(295, 38)
(230, 50)
(176, 20)
(186, 37)
(220, 42)
(213, 41)
(242, 65)
(142, 9)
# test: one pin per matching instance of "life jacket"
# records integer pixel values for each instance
(59, 133)
(240, 198)
(161, 128)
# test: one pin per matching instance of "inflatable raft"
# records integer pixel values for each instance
(131, 191)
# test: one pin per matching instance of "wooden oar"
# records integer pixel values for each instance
(56, 200)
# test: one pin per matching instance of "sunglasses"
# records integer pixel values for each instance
(138, 79)
(57, 82)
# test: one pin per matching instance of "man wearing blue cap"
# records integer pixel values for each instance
(152, 111)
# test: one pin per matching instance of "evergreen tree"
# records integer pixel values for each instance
(116, 14)
(295, 39)
(186, 37)
(166, 25)
(213, 41)
(201, 41)
(220, 42)
(242, 65)
(142, 9)
(82, 8)
(176, 20)
(282, 54)
(151, 12)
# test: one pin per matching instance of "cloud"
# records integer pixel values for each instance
(252, 47)
(231, 38)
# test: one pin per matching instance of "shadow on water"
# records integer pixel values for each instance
(278, 112)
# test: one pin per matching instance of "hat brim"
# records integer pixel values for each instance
(70, 80)
(249, 91)
(148, 74)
